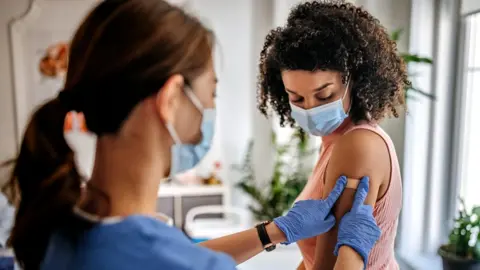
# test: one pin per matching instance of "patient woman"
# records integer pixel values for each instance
(334, 71)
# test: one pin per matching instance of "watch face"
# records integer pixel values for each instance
(264, 223)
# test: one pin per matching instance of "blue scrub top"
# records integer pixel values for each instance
(136, 242)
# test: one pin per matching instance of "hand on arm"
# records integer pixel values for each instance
(358, 153)
(306, 219)
(357, 233)
(309, 218)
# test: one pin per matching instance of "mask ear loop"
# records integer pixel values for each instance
(173, 133)
(196, 102)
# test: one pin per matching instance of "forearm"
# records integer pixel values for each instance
(348, 259)
(324, 257)
(244, 245)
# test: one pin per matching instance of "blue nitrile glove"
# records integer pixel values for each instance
(358, 228)
(310, 218)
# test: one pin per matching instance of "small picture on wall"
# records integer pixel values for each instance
(54, 63)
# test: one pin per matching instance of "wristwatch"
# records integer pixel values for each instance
(264, 238)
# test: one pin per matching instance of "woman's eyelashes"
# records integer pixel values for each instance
(296, 99)
(322, 98)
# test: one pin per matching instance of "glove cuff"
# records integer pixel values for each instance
(283, 225)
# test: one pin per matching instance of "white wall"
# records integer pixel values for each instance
(469, 6)
(8, 10)
(240, 27)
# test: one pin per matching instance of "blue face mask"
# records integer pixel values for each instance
(187, 156)
(321, 120)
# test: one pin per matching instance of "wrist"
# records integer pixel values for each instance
(346, 250)
(276, 235)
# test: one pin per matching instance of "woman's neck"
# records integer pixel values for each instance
(129, 176)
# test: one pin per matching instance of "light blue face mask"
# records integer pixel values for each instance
(321, 120)
(187, 156)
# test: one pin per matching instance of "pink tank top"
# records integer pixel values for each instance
(387, 208)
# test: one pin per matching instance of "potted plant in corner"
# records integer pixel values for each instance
(462, 252)
(290, 174)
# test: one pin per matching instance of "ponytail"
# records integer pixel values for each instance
(44, 184)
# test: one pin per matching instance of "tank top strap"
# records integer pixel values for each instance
(375, 128)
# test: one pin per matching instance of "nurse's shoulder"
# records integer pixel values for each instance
(172, 247)
(155, 245)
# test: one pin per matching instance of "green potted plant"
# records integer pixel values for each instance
(462, 252)
(290, 174)
(409, 58)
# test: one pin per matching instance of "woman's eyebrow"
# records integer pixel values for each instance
(320, 88)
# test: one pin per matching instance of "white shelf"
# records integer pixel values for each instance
(178, 191)
(190, 190)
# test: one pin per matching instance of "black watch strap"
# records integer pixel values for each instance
(264, 238)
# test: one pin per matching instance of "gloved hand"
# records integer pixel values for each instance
(358, 228)
(310, 218)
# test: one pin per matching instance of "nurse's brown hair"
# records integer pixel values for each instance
(122, 53)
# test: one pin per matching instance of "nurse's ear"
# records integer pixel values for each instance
(167, 101)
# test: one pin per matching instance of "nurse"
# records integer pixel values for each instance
(141, 72)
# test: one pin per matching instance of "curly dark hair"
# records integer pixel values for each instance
(337, 36)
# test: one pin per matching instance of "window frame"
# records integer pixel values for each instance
(461, 112)
(431, 164)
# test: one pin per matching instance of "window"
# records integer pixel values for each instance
(432, 134)
(470, 144)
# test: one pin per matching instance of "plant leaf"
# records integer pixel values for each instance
(476, 211)
(413, 58)
(395, 36)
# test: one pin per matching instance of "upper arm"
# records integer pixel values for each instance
(357, 154)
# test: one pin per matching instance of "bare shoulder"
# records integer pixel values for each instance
(359, 153)
(361, 143)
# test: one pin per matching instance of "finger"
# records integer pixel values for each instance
(336, 191)
(362, 192)
(329, 222)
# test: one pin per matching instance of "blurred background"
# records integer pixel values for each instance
(256, 168)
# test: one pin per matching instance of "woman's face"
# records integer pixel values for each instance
(307, 89)
(188, 119)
